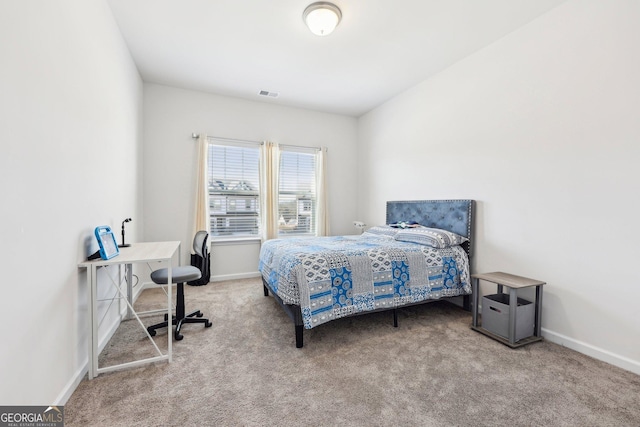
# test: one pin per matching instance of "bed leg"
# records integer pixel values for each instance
(395, 317)
(466, 303)
(298, 336)
(266, 290)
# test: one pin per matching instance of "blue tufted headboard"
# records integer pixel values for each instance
(451, 215)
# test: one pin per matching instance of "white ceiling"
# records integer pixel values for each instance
(380, 48)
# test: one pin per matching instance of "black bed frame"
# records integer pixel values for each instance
(452, 215)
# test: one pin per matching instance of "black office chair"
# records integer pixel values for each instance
(201, 258)
(179, 275)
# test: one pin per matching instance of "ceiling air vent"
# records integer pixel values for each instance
(267, 93)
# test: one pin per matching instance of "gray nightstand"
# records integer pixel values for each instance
(514, 283)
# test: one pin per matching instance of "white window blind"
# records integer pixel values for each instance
(234, 205)
(297, 192)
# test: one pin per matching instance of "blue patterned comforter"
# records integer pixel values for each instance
(332, 277)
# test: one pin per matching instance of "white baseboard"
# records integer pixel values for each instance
(143, 286)
(73, 383)
(235, 276)
(71, 386)
(595, 352)
(589, 350)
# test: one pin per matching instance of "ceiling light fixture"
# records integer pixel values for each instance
(322, 17)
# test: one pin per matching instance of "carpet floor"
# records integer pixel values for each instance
(432, 370)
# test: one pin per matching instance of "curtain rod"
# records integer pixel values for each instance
(196, 136)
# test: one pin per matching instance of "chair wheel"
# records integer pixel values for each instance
(199, 314)
(152, 332)
(208, 324)
(178, 337)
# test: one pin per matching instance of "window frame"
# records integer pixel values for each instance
(223, 201)
(311, 196)
(221, 210)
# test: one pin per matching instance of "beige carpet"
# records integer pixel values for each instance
(430, 371)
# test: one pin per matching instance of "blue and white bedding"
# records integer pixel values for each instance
(333, 277)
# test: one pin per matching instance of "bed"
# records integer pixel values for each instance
(425, 256)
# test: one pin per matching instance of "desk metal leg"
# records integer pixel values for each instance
(128, 269)
(474, 305)
(170, 291)
(513, 306)
(93, 338)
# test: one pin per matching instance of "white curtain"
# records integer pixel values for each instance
(269, 172)
(201, 218)
(322, 217)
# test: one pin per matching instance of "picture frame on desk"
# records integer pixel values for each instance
(107, 242)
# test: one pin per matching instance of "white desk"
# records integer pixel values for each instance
(156, 252)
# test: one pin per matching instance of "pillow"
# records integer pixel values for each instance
(383, 230)
(433, 237)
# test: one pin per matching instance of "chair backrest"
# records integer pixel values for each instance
(201, 258)
(200, 243)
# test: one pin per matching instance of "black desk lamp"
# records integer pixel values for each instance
(123, 245)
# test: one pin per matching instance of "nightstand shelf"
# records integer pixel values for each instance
(514, 283)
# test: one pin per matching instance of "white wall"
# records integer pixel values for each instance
(542, 128)
(171, 115)
(70, 135)
(542, 125)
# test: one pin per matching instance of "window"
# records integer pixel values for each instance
(234, 204)
(234, 190)
(297, 192)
